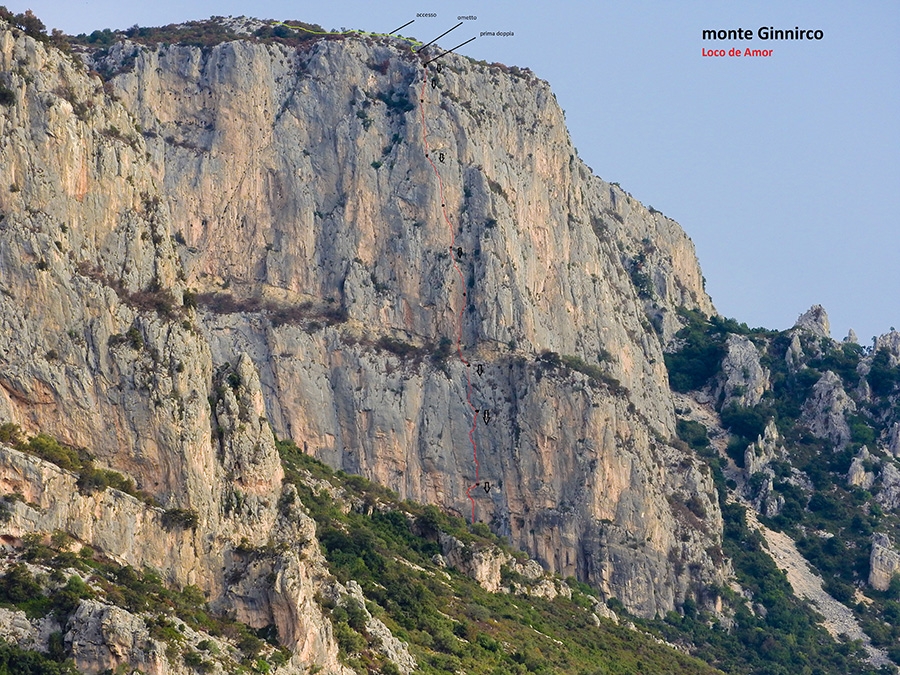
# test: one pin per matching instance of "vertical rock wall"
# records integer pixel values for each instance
(290, 189)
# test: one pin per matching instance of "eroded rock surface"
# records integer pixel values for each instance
(273, 209)
(883, 563)
(743, 380)
(815, 321)
(825, 411)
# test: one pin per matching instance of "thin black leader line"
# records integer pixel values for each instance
(401, 27)
(439, 37)
(448, 51)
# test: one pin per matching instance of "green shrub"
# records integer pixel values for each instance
(882, 377)
(443, 349)
(692, 433)
(700, 356)
(577, 363)
(66, 599)
(497, 189)
(839, 590)
(366, 120)
(860, 430)
(11, 433)
(349, 641)
(16, 661)
(743, 421)
(180, 519)
(56, 647)
(18, 585)
(91, 479)
(396, 347)
(197, 662)
(7, 96)
(165, 630)
(389, 668)
(396, 102)
(643, 284)
(28, 22)
(48, 448)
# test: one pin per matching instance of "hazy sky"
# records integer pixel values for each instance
(785, 171)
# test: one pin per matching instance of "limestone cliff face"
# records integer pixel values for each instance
(289, 190)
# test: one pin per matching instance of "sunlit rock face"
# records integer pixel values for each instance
(221, 243)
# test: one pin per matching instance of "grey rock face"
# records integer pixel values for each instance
(894, 440)
(759, 487)
(15, 627)
(296, 613)
(794, 354)
(858, 475)
(825, 410)
(394, 649)
(102, 637)
(601, 610)
(742, 380)
(883, 563)
(766, 448)
(262, 161)
(890, 342)
(483, 565)
(487, 565)
(815, 321)
(130, 531)
(889, 495)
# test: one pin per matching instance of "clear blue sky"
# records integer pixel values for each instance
(785, 171)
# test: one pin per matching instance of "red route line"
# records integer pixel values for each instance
(462, 309)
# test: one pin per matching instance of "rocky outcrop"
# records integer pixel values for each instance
(826, 409)
(294, 610)
(764, 450)
(889, 494)
(742, 380)
(765, 499)
(483, 565)
(884, 562)
(893, 445)
(815, 321)
(759, 484)
(794, 354)
(125, 528)
(17, 628)
(859, 474)
(497, 571)
(274, 209)
(102, 637)
(601, 610)
(889, 342)
(246, 444)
